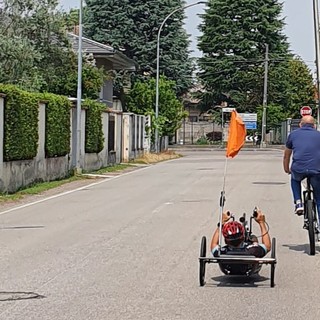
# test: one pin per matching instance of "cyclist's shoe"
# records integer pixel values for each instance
(298, 209)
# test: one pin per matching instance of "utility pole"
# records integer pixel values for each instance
(79, 94)
(265, 97)
(317, 47)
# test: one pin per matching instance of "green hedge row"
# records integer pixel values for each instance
(21, 113)
(58, 134)
(20, 124)
(94, 138)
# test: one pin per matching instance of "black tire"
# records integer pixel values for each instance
(273, 265)
(202, 268)
(310, 214)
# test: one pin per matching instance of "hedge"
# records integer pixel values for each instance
(58, 135)
(94, 138)
(20, 124)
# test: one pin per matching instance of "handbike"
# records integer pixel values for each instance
(250, 264)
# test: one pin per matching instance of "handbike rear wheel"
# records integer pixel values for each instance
(310, 215)
(273, 266)
(202, 268)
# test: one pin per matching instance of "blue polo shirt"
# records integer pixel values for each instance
(305, 145)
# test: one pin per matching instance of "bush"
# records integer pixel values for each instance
(57, 141)
(20, 124)
(214, 136)
(94, 139)
(202, 141)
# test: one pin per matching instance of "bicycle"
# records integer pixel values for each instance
(311, 222)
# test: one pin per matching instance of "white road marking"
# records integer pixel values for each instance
(71, 191)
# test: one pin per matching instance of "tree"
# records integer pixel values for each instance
(235, 34)
(141, 101)
(38, 53)
(302, 89)
(132, 27)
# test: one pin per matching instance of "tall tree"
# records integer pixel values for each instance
(235, 34)
(302, 88)
(132, 26)
(36, 52)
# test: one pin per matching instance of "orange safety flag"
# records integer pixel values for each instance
(237, 135)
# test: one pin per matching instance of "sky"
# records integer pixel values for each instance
(299, 27)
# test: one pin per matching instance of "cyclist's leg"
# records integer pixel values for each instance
(296, 179)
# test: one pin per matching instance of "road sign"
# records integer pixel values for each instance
(305, 111)
(228, 109)
(250, 117)
(250, 125)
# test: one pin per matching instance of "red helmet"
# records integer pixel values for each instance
(233, 231)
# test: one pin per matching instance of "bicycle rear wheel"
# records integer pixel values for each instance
(310, 215)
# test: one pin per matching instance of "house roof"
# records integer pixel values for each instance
(119, 60)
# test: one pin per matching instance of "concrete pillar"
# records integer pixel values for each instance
(140, 132)
(1, 133)
(73, 142)
(82, 136)
(135, 134)
(42, 131)
(126, 137)
(105, 130)
(118, 136)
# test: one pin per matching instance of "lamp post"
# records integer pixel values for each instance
(79, 93)
(317, 47)
(265, 97)
(158, 64)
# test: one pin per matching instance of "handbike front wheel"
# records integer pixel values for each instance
(273, 267)
(310, 215)
(202, 267)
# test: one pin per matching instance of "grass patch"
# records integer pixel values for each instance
(117, 167)
(157, 157)
(38, 188)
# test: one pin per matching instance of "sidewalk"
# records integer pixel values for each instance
(246, 147)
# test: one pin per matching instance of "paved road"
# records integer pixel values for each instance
(127, 248)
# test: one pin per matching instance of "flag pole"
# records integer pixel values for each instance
(222, 202)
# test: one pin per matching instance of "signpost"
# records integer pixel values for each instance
(305, 111)
(250, 120)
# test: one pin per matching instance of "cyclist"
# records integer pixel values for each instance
(304, 145)
(234, 236)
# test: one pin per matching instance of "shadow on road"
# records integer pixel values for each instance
(237, 281)
(299, 247)
(15, 296)
(21, 227)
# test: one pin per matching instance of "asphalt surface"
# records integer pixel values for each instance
(128, 247)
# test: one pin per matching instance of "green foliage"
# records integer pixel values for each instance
(202, 141)
(275, 116)
(36, 52)
(302, 89)
(137, 33)
(141, 101)
(57, 136)
(94, 139)
(20, 124)
(235, 34)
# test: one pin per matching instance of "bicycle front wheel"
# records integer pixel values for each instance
(310, 215)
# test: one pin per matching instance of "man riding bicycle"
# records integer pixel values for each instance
(304, 145)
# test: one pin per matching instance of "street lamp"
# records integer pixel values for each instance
(317, 47)
(79, 93)
(158, 64)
